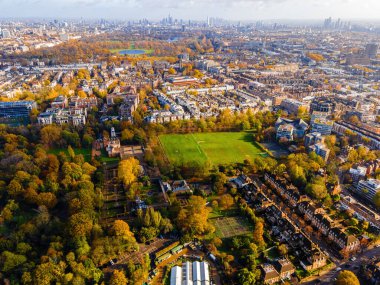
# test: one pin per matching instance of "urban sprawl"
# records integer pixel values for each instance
(189, 152)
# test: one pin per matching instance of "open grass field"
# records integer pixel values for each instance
(227, 227)
(218, 148)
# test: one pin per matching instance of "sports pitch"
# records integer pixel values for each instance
(231, 226)
(218, 148)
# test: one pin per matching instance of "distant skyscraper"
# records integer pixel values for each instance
(371, 50)
(6, 34)
(327, 23)
(337, 24)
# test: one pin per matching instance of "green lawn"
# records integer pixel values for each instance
(104, 158)
(218, 148)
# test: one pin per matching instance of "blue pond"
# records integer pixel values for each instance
(131, 52)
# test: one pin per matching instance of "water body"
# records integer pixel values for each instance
(132, 52)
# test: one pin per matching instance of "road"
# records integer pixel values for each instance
(361, 258)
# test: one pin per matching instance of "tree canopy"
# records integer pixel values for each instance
(347, 277)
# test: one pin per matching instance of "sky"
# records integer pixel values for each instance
(245, 10)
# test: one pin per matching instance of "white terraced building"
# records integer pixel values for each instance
(191, 273)
(368, 188)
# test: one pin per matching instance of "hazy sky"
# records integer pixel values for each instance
(193, 9)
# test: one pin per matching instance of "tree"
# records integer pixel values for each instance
(302, 111)
(148, 233)
(47, 273)
(121, 229)
(258, 233)
(283, 249)
(80, 225)
(166, 225)
(51, 135)
(88, 168)
(215, 205)
(193, 218)
(330, 141)
(317, 188)
(309, 229)
(87, 140)
(376, 200)
(354, 120)
(10, 260)
(15, 188)
(246, 277)
(198, 74)
(280, 169)
(315, 56)
(118, 278)
(226, 201)
(71, 152)
(171, 70)
(219, 180)
(217, 241)
(128, 171)
(47, 199)
(347, 277)
(127, 135)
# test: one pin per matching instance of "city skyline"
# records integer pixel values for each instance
(244, 10)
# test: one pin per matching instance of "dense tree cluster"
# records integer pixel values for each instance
(100, 48)
(192, 220)
(49, 218)
(151, 223)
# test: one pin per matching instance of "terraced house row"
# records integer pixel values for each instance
(333, 231)
(286, 232)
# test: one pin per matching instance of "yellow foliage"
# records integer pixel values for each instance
(122, 230)
(363, 68)
(128, 170)
(316, 56)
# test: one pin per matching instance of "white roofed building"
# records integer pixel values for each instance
(176, 275)
(191, 273)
